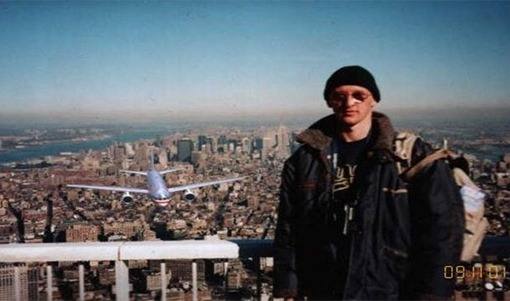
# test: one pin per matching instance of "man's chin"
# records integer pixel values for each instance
(348, 120)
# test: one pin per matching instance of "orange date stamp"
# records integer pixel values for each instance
(475, 272)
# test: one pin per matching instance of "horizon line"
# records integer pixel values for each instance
(155, 117)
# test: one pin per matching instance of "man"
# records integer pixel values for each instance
(348, 226)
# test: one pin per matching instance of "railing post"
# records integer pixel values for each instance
(194, 280)
(225, 275)
(121, 281)
(81, 282)
(17, 284)
(164, 281)
(49, 282)
(259, 277)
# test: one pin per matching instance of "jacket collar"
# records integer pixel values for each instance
(321, 133)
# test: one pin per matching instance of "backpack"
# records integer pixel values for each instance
(473, 197)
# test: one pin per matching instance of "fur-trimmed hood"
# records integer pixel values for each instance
(321, 133)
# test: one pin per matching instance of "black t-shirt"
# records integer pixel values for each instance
(346, 157)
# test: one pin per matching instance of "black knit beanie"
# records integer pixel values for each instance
(352, 75)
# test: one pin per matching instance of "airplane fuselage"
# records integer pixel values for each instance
(156, 186)
(158, 190)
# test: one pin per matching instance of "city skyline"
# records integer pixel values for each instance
(105, 61)
(38, 209)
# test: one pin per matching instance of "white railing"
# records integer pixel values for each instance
(120, 252)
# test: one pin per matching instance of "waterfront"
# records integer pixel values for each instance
(487, 139)
(39, 151)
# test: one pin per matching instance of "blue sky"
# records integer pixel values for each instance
(146, 59)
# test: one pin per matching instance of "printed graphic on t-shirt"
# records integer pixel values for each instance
(344, 177)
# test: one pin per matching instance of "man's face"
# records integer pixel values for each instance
(351, 104)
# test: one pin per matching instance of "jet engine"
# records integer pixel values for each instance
(189, 195)
(127, 198)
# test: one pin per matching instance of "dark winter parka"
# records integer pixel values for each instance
(403, 234)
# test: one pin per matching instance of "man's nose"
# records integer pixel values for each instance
(350, 101)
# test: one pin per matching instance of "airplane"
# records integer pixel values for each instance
(156, 186)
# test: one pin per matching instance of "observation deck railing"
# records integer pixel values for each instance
(121, 252)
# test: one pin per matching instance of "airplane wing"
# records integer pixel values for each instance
(198, 185)
(169, 170)
(134, 172)
(110, 188)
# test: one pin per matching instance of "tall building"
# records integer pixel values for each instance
(181, 269)
(106, 276)
(142, 155)
(153, 282)
(246, 144)
(119, 152)
(129, 229)
(28, 282)
(79, 232)
(272, 138)
(257, 143)
(234, 280)
(282, 142)
(184, 149)
(214, 145)
(222, 139)
(202, 140)
(231, 146)
(167, 142)
(162, 158)
(129, 149)
(267, 144)
(90, 162)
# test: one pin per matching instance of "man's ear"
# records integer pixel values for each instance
(328, 104)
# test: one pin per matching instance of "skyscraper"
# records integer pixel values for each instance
(246, 142)
(267, 144)
(257, 143)
(119, 153)
(222, 139)
(142, 155)
(184, 149)
(27, 277)
(202, 140)
(162, 158)
(213, 143)
(282, 142)
(129, 149)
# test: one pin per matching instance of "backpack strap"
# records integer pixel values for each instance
(411, 172)
(403, 150)
(404, 144)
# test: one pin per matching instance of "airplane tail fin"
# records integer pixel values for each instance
(151, 163)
